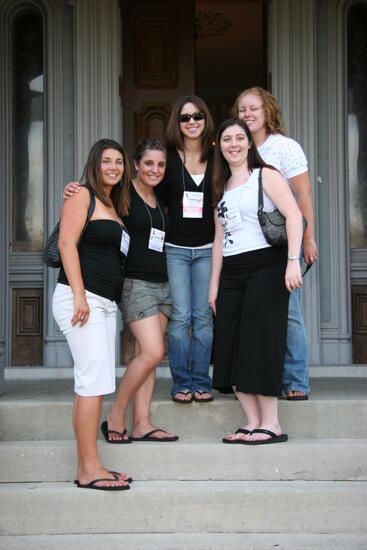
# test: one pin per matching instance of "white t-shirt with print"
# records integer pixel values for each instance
(285, 154)
(242, 203)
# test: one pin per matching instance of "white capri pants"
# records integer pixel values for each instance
(93, 345)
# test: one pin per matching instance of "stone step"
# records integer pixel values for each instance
(41, 410)
(186, 507)
(186, 541)
(298, 459)
(163, 371)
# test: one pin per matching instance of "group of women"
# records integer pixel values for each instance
(156, 247)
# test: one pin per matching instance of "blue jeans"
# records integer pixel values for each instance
(295, 376)
(189, 273)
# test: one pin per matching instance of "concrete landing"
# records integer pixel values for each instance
(186, 541)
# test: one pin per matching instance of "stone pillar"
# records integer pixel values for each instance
(292, 63)
(98, 66)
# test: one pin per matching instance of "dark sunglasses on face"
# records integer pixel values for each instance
(194, 116)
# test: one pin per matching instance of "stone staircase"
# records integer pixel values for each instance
(308, 493)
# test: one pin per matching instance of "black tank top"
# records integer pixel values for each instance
(143, 263)
(101, 260)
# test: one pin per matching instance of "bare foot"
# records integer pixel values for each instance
(116, 428)
(183, 396)
(203, 397)
(275, 428)
(242, 433)
(107, 478)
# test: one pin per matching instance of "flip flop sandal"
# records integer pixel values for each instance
(149, 437)
(205, 399)
(106, 432)
(274, 438)
(297, 397)
(234, 441)
(128, 479)
(93, 485)
(182, 401)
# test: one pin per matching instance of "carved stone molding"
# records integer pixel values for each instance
(211, 23)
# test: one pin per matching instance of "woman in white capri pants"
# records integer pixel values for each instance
(84, 302)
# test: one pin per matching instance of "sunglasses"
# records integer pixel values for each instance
(194, 116)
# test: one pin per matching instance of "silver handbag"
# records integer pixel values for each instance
(272, 223)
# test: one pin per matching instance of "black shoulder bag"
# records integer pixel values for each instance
(51, 254)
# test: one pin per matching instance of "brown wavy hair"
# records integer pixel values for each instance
(174, 138)
(274, 122)
(221, 169)
(92, 177)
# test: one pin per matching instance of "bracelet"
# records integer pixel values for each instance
(292, 258)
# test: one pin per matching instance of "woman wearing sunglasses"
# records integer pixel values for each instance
(186, 191)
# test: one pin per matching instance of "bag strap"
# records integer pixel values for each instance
(260, 200)
(91, 207)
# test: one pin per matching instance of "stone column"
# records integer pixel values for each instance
(98, 66)
(292, 63)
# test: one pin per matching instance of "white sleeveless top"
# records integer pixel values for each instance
(237, 212)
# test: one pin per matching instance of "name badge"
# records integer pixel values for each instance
(156, 239)
(233, 219)
(193, 202)
(125, 242)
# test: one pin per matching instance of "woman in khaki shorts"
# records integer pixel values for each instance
(146, 300)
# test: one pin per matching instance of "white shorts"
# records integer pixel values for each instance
(93, 345)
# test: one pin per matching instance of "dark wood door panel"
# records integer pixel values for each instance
(158, 64)
(27, 332)
(359, 313)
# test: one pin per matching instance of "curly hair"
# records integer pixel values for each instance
(274, 123)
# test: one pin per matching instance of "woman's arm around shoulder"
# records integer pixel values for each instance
(217, 258)
(278, 191)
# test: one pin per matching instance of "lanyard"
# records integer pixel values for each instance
(183, 175)
(149, 214)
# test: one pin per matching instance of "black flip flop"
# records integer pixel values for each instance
(128, 480)
(274, 438)
(236, 441)
(106, 432)
(149, 437)
(93, 485)
(297, 397)
(201, 392)
(183, 401)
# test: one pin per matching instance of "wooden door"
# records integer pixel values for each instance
(158, 64)
(158, 67)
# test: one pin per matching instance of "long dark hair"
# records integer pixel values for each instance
(92, 174)
(221, 169)
(148, 144)
(174, 136)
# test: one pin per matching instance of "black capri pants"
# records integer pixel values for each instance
(251, 322)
